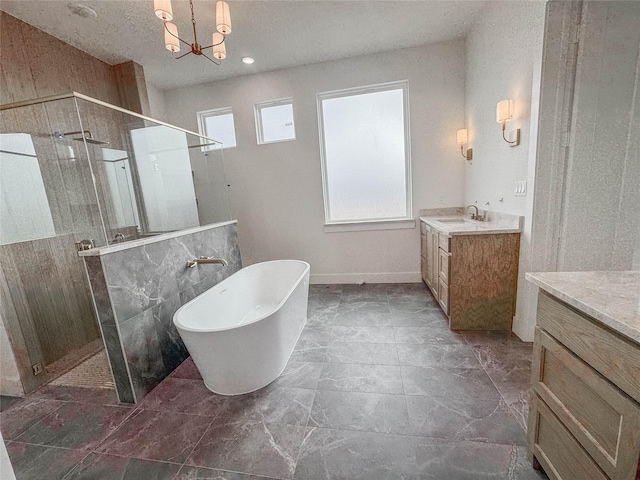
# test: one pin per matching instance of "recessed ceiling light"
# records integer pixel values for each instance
(81, 10)
(247, 60)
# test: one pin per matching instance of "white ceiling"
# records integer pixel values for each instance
(278, 34)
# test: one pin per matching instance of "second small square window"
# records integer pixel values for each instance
(274, 121)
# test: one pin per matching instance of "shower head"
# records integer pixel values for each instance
(84, 135)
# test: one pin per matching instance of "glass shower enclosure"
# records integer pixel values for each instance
(78, 173)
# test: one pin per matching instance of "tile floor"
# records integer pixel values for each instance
(377, 388)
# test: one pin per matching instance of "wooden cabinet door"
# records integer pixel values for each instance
(434, 259)
(427, 258)
(423, 259)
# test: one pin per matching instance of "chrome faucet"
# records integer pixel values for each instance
(196, 261)
(475, 216)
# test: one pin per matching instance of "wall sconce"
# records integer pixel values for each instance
(462, 137)
(504, 113)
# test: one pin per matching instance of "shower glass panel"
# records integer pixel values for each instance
(48, 204)
(75, 169)
(24, 210)
(210, 182)
(152, 178)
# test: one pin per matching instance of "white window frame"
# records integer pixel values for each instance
(202, 127)
(257, 108)
(374, 223)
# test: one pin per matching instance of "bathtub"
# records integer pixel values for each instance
(241, 332)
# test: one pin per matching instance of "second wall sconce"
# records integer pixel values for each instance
(504, 113)
(462, 138)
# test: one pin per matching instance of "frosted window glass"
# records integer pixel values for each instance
(220, 127)
(276, 123)
(365, 162)
(24, 209)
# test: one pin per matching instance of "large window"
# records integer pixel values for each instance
(364, 138)
(218, 124)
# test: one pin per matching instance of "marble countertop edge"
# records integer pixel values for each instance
(613, 298)
(99, 251)
(470, 227)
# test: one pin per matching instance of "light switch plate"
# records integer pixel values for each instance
(521, 188)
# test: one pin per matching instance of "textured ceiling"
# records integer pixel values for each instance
(278, 34)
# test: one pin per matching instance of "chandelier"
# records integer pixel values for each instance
(172, 41)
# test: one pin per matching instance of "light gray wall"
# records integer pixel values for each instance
(503, 58)
(157, 104)
(587, 169)
(276, 189)
(503, 55)
(600, 215)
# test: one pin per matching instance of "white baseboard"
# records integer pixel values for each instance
(522, 332)
(357, 278)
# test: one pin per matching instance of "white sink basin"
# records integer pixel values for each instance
(453, 220)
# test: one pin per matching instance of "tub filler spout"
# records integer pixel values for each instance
(196, 261)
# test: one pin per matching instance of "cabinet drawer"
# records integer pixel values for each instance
(601, 418)
(616, 358)
(444, 264)
(443, 295)
(557, 450)
(444, 242)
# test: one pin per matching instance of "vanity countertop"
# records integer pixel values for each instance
(613, 298)
(462, 225)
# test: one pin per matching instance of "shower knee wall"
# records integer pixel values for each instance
(137, 288)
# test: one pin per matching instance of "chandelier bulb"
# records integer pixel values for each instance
(171, 41)
(219, 49)
(163, 10)
(223, 17)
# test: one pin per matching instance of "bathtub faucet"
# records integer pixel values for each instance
(194, 262)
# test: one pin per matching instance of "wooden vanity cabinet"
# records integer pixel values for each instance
(482, 280)
(473, 277)
(444, 263)
(428, 254)
(423, 253)
(584, 413)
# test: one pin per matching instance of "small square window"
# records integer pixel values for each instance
(274, 121)
(218, 124)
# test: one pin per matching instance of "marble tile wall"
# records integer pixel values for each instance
(136, 291)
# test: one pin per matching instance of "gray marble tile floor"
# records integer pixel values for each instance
(378, 387)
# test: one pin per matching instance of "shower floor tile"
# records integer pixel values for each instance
(378, 387)
(94, 372)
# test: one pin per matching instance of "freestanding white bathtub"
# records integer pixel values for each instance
(241, 332)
